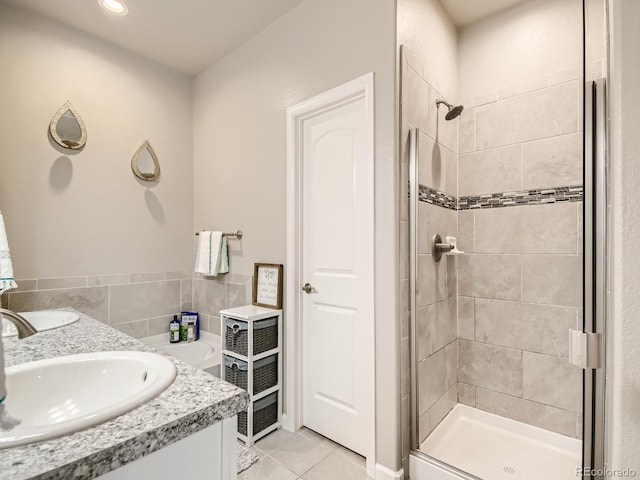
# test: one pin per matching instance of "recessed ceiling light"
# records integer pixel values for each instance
(114, 6)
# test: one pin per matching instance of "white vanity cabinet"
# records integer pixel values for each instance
(210, 454)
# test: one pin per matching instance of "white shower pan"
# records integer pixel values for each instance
(491, 447)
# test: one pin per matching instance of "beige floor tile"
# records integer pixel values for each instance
(297, 452)
(267, 469)
(310, 434)
(272, 440)
(336, 467)
(351, 457)
(259, 453)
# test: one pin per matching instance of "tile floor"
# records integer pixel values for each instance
(303, 455)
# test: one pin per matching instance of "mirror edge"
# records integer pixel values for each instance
(54, 122)
(147, 177)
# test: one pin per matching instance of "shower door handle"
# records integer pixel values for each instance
(307, 288)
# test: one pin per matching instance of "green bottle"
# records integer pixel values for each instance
(174, 330)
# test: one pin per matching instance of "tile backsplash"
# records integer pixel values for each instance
(212, 294)
(139, 304)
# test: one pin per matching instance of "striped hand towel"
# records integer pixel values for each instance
(212, 256)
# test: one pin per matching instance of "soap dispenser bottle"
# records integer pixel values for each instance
(174, 330)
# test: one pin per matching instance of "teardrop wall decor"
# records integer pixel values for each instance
(144, 163)
(67, 128)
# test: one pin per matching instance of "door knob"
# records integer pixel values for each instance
(307, 288)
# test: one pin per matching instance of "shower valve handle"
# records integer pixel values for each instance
(444, 247)
(438, 247)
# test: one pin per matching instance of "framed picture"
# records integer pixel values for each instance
(267, 285)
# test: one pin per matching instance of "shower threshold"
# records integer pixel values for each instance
(496, 448)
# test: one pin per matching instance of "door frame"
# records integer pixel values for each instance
(361, 87)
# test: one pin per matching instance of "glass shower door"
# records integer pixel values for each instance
(489, 336)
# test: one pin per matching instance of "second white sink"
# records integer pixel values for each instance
(41, 320)
(61, 395)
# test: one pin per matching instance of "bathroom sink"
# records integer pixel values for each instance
(42, 320)
(58, 396)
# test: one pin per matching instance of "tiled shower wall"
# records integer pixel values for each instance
(520, 280)
(139, 304)
(437, 283)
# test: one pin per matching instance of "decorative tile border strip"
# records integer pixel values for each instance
(538, 196)
(435, 197)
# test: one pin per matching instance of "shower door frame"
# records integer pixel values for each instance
(595, 248)
(595, 268)
(414, 134)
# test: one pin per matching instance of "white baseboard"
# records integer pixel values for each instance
(384, 473)
(287, 423)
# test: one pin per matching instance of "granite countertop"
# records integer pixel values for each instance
(194, 401)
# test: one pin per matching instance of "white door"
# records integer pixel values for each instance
(336, 160)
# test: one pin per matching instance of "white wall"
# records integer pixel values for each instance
(427, 31)
(490, 51)
(623, 420)
(82, 213)
(240, 154)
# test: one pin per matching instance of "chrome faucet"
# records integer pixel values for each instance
(25, 329)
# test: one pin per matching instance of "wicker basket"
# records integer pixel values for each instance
(265, 414)
(235, 371)
(265, 335)
(265, 373)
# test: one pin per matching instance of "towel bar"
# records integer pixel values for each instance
(237, 234)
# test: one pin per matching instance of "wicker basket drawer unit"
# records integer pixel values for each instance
(252, 360)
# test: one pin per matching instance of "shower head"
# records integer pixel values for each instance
(453, 112)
